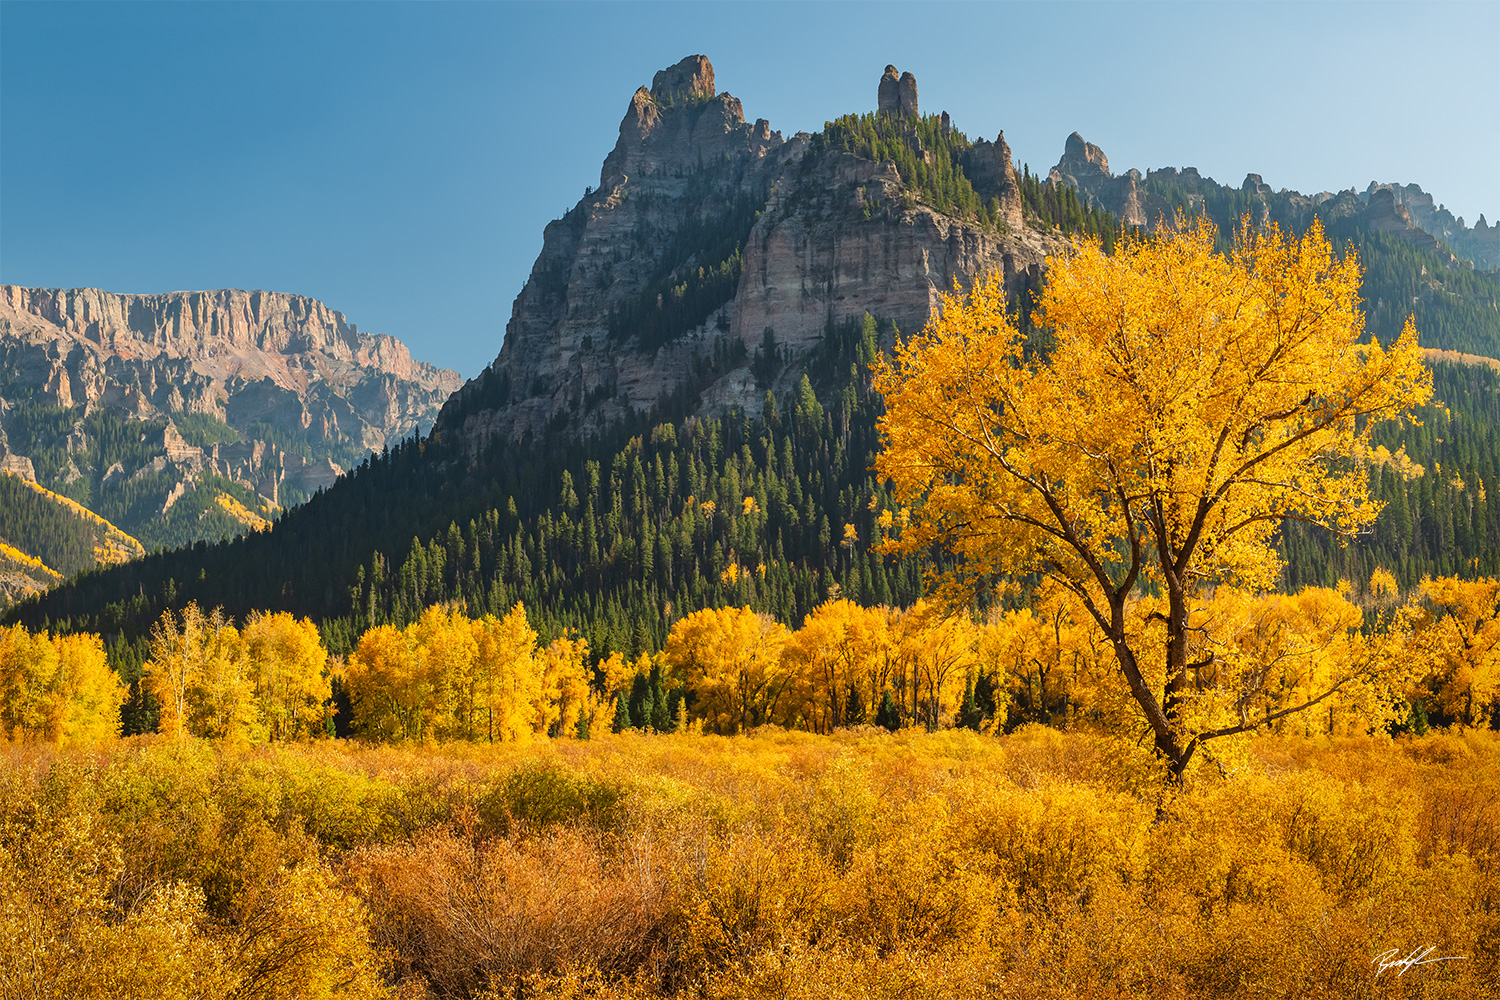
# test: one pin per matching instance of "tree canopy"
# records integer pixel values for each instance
(1172, 409)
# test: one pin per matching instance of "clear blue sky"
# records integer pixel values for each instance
(398, 161)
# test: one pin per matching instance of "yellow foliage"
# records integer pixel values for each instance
(288, 666)
(731, 659)
(117, 546)
(241, 513)
(57, 688)
(1186, 403)
(509, 681)
(861, 864)
(446, 677)
(1465, 645)
(16, 555)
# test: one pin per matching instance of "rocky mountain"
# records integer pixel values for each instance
(191, 415)
(1407, 211)
(710, 238)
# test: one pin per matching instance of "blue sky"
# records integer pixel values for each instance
(399, 161)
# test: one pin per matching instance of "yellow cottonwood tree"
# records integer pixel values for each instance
(940, 651)
(199, 677)
(87, 694)
(1179, 406)
(288, 669)
(731, 659)
(445, 646)
(57, 687)
(390, 695)
(842, 651)
(508, 682)
(1255, 655)
(563, 694)
(1466, 645)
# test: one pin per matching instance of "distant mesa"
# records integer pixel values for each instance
(898, 94)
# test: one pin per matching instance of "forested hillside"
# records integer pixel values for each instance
(619, 537)
(112, 465)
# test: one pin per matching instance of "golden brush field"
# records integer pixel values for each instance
(779, 864)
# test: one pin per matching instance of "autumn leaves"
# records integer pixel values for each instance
(1181, 405)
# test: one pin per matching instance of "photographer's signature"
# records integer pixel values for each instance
(1393, 959)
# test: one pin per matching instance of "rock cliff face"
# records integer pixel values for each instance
(1480, 244)
(287, 360)
(706, 232)
(266, 364)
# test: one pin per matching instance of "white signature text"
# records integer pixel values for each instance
(1393, 959)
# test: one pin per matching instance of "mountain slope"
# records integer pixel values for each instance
(709, 237)
(55, 537)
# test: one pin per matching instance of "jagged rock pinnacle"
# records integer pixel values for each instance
(897, 95)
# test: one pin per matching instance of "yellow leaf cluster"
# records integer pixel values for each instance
(57, 687)
(447, 677)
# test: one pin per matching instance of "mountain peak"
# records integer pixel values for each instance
(691, 78)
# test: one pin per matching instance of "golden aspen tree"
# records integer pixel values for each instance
(58, 688)
(1465, 642)
(830, 655)
(388, 695)
(1177, 406)
(288, 667)
(941, 649)
(731, 659)
(1383, 586)
(173, 666)
(198, 675)
(1255, 655)
(445, 646)
(87, 693)
(508, 681)
(564, 689)
(221, 692)
(28, 664)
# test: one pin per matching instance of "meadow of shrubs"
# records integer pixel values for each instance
(863, 863)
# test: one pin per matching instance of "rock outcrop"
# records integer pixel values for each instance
(692, 79)
(706, 232)
(1480, 245)
(988, 166)
(1085, 167)
(1141, 201)
(897, 94)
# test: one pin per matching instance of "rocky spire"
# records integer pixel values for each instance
(898, 95)
(1080, 159)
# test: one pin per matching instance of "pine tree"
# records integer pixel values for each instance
(888, 715)
(969, 714)
(622, 715)
(661, 714)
